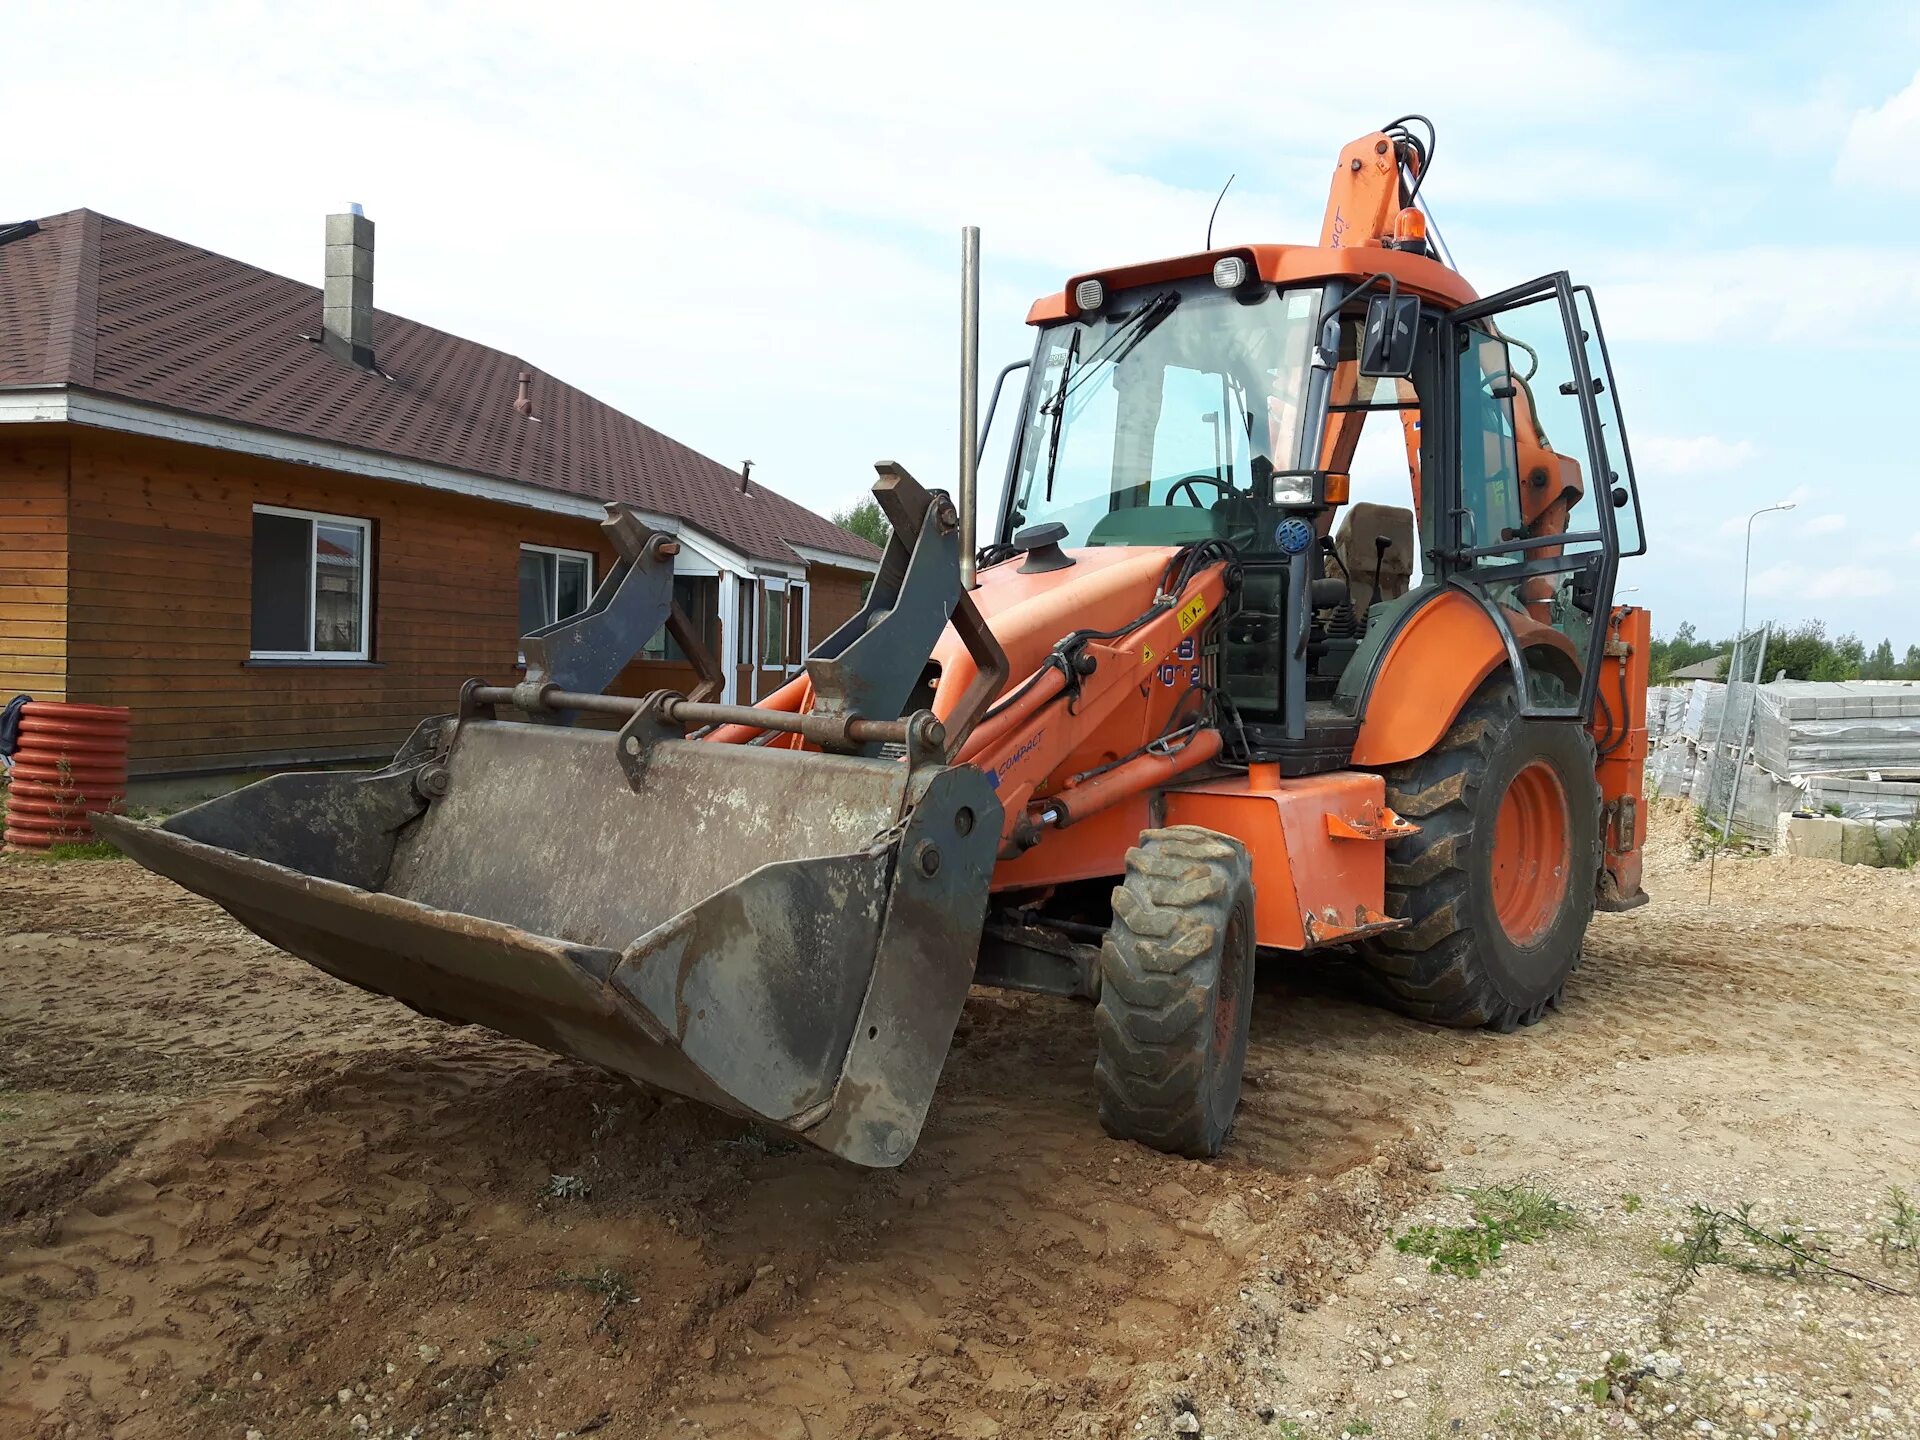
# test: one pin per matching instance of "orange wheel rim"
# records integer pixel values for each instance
(1532, 850)
(1226, 1000)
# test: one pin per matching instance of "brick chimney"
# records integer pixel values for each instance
(348, 314)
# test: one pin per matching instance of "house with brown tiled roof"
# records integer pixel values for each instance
(284, 526)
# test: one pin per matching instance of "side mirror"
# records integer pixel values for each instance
(1386, 347)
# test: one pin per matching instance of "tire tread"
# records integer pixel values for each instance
(1158, 965)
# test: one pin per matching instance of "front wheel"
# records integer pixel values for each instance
(1498, 886)
(1176, 992)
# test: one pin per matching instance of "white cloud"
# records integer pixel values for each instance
(1768, 294)
(1824, 524)
(1880, 143)
(1844, 582)
(1685, 455)
(1736, 523)
(1811, 125)
(1839, 583)
(739, 222)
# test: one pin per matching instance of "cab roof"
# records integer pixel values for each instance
(1277, 264)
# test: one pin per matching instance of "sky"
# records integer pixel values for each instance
(740, 222)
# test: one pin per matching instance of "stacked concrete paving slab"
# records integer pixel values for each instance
(1819, 746)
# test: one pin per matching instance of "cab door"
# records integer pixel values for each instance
(1529, 529)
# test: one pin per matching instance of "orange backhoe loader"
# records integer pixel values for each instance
(1174, 718)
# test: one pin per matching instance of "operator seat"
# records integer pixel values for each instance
(1354, 542)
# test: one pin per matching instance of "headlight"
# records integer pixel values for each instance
(1230, 273)
(1088, 294)
(1293, 488)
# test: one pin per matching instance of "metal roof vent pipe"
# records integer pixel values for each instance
(347, 328)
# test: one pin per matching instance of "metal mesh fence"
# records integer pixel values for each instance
(1737, 797)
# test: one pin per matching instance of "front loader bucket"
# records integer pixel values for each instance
(787, 935)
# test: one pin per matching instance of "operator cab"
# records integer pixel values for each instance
(1225, 409)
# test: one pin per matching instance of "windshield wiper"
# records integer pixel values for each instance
(1115, 348)
(1059, 403)
(1120, 344)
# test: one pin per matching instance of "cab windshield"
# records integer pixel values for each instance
(1156, 422)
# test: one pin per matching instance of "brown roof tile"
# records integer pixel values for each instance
(94, 302)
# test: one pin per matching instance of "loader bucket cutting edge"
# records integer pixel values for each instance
(785, 935)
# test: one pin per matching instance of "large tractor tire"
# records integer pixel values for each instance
(1176, 992)
(1498, 886)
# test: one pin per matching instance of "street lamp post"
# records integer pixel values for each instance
(1733, 657)
(1746, 567)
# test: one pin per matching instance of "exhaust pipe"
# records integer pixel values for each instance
(969, 399)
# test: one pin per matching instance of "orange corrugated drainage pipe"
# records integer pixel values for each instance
(72, 759)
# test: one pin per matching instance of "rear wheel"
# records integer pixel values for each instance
(1176, 992)
(1498, 885)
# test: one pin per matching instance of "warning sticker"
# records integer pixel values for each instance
(1146, 654)
(1191, 612)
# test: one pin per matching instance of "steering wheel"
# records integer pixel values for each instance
(1187, 483)
(1241, 527)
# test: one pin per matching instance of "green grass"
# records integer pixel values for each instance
(77, 850)
(1899, 1233)
(613, 1288)
(1632, 1203)
(1787, 1251)
(1502, 1215)
(1898, 845)
(1733, 1239)
(1617, 1371)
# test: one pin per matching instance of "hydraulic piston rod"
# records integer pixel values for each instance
(821, 729)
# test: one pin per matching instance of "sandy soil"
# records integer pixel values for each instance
(237, 1196)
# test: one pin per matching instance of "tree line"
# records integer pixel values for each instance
(1803, 651)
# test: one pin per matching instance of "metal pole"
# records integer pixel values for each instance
(969, 398)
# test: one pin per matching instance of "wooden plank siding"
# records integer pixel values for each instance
(154, 592)
(836, 598)
(33, 564)
(161, 611)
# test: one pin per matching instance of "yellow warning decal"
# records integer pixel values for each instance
(1191, 612)
(1146, 654)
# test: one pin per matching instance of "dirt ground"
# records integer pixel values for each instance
(240, 1199)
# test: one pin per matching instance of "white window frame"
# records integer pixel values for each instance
(796, 663)
(562, 553)
(349, 522)
(746, 640)
(771, 585)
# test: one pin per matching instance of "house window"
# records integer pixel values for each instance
(312, 599)
(743, 629)
(773, 628)
(797, 611)
(554, 585)
(698, 597)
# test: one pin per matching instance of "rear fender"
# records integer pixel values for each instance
(1440, 655)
